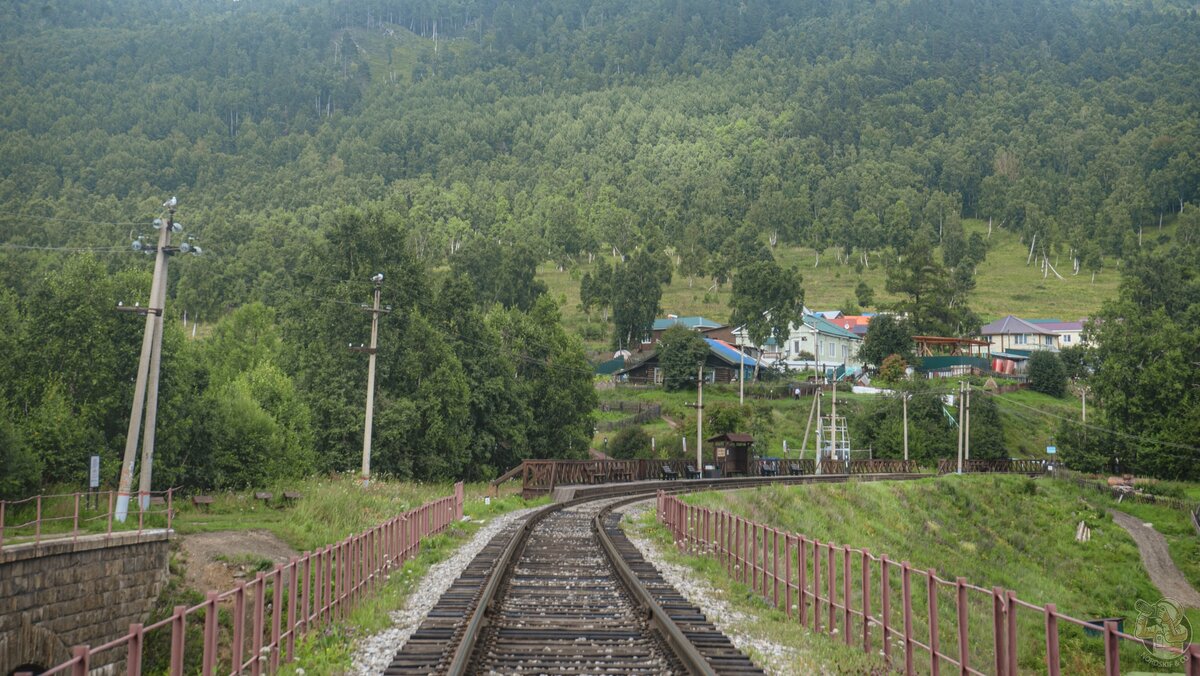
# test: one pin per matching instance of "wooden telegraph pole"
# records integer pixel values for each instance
(961, 407)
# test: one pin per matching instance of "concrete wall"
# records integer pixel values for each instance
(65, 593)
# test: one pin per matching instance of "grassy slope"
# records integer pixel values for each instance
(331, 509)
(1000, 530)
(1005, 285)
(1028, 417)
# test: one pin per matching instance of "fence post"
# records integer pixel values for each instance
(170, 507)
(816, 585)
(885, 608)
(906, 590)
(83, 657)
(1052, 658)
(75, 520)
(801, 583)
(998, 612)
(256, 641)
(292, 602)
(37, 524)
(1192, 666)
(133, 650)
(1011, 643)
(276, 615)
(960, 589)
(931, 588)
(110, 513)
(787, 575)
(1112, 650)
(178, 629)
(1, 523)
(847, 612)
(238, 647)
(209, 659)
(831, 578)
(866, 600)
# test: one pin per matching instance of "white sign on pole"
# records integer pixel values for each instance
(94, 475)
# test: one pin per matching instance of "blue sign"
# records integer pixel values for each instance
(1052, 450)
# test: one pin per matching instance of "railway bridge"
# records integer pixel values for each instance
(79, 590)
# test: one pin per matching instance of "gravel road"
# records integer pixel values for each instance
(1163, 572)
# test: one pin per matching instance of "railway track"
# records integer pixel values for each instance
(565, 592)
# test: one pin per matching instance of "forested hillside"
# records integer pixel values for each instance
(313, 143)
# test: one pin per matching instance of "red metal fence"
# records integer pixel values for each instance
(267, 615)
(1006, 465)
(893, 609)
(44, 517)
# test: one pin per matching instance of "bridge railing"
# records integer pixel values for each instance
(915, 619)
(70, 515)
(1004, 465)
(267, 615)
(541, 477)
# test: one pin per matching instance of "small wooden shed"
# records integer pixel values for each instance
(731, 451)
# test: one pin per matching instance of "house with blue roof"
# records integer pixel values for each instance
(721, 365)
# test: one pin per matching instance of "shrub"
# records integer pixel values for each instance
(1047, 374)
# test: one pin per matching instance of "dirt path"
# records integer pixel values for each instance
(216, 561)
(1163, 572)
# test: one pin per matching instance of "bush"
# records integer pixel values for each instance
(1047, 374)
(629, 443)
(893, 370)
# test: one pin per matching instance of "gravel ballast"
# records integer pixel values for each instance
(774, 658)
(374, 653)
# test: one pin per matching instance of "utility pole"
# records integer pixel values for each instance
(812, 409)
(148, 366)
(742, 377)
(375, 311)
(967, 429)
(904, 403)
(700, 420)
(1083, 396)
(144, 481)
(961, 406)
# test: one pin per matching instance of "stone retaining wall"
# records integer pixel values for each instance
(63, 593)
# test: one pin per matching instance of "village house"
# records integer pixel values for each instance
(721, 365)
(702, 325)
(815, 343)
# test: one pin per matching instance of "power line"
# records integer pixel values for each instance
(70, 249)
(81, 221)
(1097, 428)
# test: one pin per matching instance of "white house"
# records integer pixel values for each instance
(814, 343)
(1016, 333)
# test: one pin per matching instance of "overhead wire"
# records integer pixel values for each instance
(1094, 427)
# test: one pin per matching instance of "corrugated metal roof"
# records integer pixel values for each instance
(690, 322)
(728, 352)
(821, 325)
(1011, 325)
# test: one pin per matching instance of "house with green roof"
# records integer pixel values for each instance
(702, 325)
(816, 343)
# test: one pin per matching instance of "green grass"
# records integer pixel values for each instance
(811, 653)
(332, 507)
(330, 650)
(1005, 285)
(1029, 419)
(1005, 531)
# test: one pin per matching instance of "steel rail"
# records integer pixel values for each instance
(685, 651)
(463, 653)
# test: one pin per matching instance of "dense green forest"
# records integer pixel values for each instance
(456, 145)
